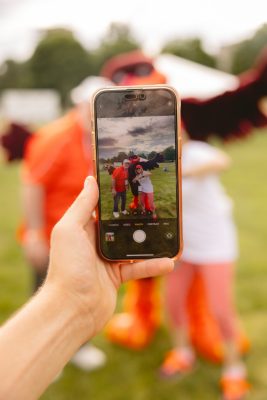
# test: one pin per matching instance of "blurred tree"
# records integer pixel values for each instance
(152, 155)
(191, 49)
(245, 53)
(118, 39)
(131, 153)
(15, 75)
(143, 155)
(59, 62)
(169, 153)
(121, 156)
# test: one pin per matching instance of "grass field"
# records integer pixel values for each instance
(133, 376)
(164, 192)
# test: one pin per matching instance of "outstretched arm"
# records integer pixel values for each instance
(35, 244)
(146, 173)
(153, 163)
(113, 184)
(76, 301)
(215, 166)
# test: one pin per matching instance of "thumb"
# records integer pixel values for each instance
(82, 208)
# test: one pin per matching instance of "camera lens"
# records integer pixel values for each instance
(130, 96)
(142, 96)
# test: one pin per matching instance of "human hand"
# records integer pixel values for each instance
(113, 191)
(36, 250)
(77, 270)
(137, 178)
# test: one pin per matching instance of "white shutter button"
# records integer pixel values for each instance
(139, 236)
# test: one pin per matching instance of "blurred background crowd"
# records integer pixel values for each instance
(49, 49)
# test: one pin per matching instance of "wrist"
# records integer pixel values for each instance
(51, 330)
(67, 306)
(33, 234)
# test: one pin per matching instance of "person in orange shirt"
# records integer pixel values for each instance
(56, 161)
(119, 187)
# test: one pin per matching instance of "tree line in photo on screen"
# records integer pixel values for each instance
(168, 155)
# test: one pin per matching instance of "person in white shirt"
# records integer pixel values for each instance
(210, 249)
(146, 190)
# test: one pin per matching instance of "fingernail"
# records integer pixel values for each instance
(86, 182)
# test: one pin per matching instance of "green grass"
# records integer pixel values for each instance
(133, 376)
(164, 192)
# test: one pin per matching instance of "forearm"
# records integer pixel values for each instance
(33, 206)
(214, 167)
(37, 342)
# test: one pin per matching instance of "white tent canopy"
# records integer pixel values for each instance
(30, 106)
(194, 80)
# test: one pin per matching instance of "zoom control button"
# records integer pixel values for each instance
(139, 236)
(169, 235)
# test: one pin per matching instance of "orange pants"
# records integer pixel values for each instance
(147, 201)
(218, 280)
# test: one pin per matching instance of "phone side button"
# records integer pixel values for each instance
(180, 146)
(139, 236)
(93, 152)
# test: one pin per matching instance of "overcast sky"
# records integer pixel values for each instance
(153, 21)
(138, 134)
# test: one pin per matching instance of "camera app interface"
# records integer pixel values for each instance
(137, 172)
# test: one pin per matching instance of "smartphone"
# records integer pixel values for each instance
(137, 147)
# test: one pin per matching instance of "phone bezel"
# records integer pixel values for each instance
(178, 160)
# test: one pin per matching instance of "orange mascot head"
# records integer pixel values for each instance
(133, 68)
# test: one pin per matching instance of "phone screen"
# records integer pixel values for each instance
(137, 169)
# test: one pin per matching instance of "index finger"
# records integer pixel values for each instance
(146, 269)
(83, 206)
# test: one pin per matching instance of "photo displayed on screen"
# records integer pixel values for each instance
(137, 167)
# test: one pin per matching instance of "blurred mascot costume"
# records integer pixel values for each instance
(136, 326)
(231, 115)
